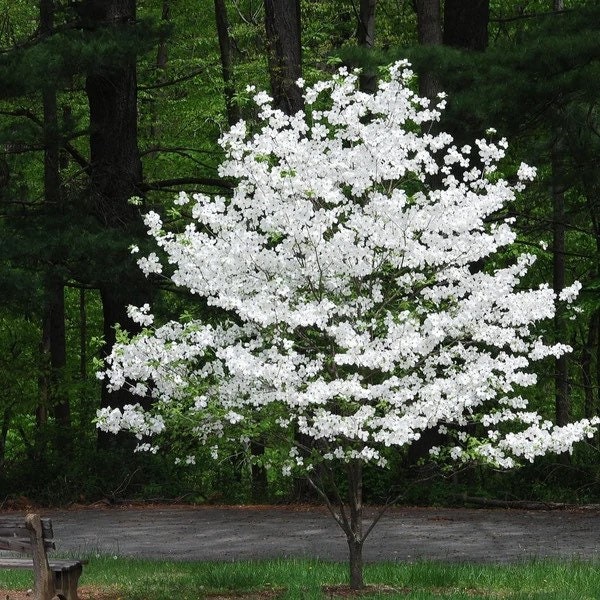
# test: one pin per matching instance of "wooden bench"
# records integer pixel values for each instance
(33, 536)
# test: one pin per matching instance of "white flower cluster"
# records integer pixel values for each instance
(132, 418)
(140, 315)
(344, 254)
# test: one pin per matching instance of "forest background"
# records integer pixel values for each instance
(102, 101)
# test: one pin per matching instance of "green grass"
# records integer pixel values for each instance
(304, 580)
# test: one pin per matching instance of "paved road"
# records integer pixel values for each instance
(403, 534)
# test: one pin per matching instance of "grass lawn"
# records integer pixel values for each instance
(108, 578)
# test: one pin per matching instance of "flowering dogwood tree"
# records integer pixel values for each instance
(345, 259)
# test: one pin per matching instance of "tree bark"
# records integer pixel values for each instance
(429, 31)
(587, 352)
(466, 24)
(115, 165)
(115, 176)
(162, 58)
(366, 39)
(284, 52)
(233, 113)
(82, 335)
(284, 56)
(561, 370)
(354, 535)
(162, 54)
(4, 427)
(53, 329)
(561, 373)
(259, 484)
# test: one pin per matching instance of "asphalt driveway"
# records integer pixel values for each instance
(403, 534)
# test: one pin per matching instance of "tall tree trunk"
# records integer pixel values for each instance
(4, 427)
(162, 54)
(53, 329)
(115, 176)
(283, 29)
(233, 113)
(115, 165)
(366, 39)
(284, 56)
(162, 58)
(587, 353)
(82, 335)
(466, 24)
(561, 373)
(429, 31)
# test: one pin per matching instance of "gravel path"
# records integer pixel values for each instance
(403, 534)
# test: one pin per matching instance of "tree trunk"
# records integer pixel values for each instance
(162, 53)
(284, 56)
(561, 372)
(355, 533)
(233, 113)
(466, 24)
(348, 514)
(357, 581)
(115, 165)
(115, 176)
(82, 335)
(162, 57)
(589, 345)
(53, 329)
(55, 344)
(284, 52)
(6, 417)
(259, 484)
(366, 39)
(429, 31)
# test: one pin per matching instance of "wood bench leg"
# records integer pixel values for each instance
(66, 582)
(43, 588)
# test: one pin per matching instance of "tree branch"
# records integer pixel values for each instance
(529, 16)
(163, 84)
(166, 183)
(26, 113)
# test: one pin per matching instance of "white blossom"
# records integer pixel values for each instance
(140, 315)
(568, 294)
(150, 264)
(356, 319)
(526, 172)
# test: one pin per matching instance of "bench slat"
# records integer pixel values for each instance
(21, 545)
(24, 563)
(12, 527)
(16, 563)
